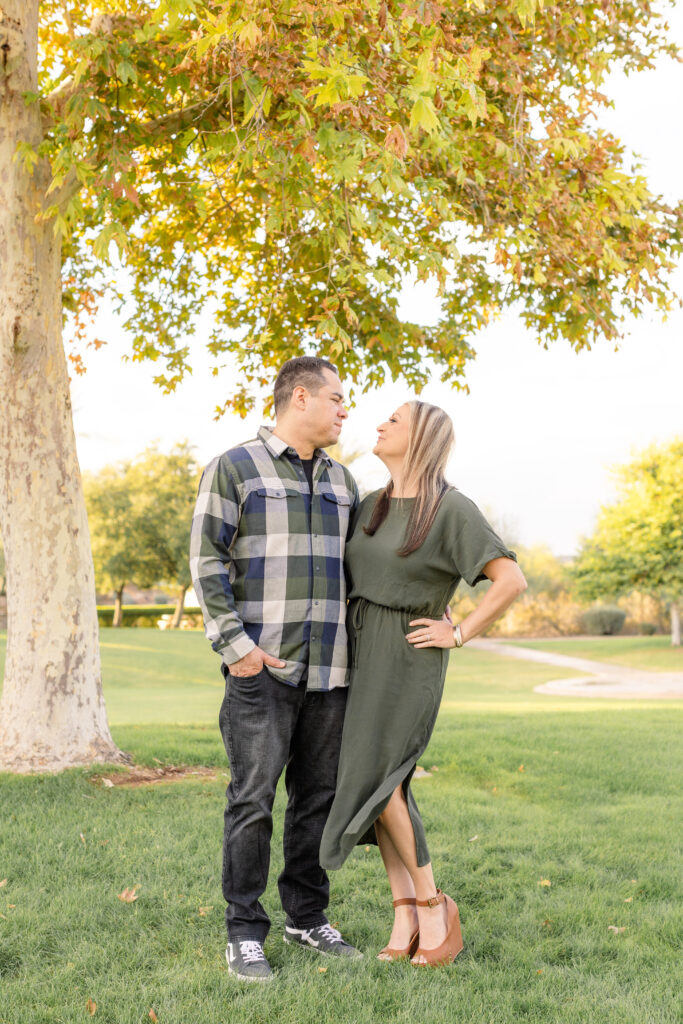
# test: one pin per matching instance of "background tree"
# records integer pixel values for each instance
(285, 165)
(166, 489)
(118, 533)
(140, 513)
(638, 540)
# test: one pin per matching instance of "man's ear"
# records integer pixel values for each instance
(299, 396)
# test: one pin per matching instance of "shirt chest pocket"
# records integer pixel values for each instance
(271, 508)
(335, 509)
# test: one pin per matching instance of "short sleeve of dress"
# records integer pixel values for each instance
(474, 542)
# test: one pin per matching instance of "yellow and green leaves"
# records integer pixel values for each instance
(282, 166)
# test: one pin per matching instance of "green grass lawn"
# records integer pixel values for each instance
(653, 653)
(584, 793)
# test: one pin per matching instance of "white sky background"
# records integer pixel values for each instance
(539, 430)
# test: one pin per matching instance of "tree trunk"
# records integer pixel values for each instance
(52, 712)
(118, 608)
(675, 624)
(179, 608)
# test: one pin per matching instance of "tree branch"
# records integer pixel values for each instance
(140, 134)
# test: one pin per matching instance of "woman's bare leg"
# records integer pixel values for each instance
(395, 819)
(405, 917)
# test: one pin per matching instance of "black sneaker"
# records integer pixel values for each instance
(324, 938)
(247, 960)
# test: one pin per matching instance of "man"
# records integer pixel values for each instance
(266, 555)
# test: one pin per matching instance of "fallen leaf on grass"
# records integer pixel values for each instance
(613, 928)
(434, 768)
(629, 899)
(152, 1016)
(634, 880)
(4, 882)
(108, 783)
(521, 768)
(540, 971)
(91, 1006)
(545, 881)
(11, 906)
(472, 839)
(82, 838)
(495, 789)
(203, 911)
(547, 923)
(367, 849)
(322, 970)
(129, 895)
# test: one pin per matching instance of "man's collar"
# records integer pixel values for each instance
(277, 447)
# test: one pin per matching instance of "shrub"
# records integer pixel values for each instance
(647, 628)
(539, 615)
(135, 614)
(604, 620)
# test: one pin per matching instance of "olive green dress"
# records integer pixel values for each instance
(395, 689)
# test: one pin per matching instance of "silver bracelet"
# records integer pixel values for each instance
(457, 635)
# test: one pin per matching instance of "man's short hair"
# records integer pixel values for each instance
(306, 371)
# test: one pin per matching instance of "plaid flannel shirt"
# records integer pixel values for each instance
(267, 558)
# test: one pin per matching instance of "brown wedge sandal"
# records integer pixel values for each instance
(451, 945)
(388, 954)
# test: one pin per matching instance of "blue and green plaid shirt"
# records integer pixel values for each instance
(267, 558)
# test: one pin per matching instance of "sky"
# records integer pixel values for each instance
(539, 431)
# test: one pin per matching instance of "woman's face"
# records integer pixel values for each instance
(392, 440)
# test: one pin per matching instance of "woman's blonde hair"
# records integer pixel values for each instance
(430, 443)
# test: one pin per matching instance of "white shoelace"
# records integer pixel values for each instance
(252, 952)
(328, 932)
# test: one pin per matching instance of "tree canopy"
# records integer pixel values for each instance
(286, 165)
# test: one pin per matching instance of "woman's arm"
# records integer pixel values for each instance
(507, 582)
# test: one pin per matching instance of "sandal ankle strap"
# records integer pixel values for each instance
(408, 901)
(433, 901)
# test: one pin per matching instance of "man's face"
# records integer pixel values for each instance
(325, 411)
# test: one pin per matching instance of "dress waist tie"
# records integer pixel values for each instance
(357, 621)
(359, 608)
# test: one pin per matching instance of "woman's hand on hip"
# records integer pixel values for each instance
(432, 633)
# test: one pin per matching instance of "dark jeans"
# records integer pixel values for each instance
(268, 726)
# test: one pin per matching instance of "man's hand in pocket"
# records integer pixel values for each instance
(253, 662)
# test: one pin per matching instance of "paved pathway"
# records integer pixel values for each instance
(601, 679)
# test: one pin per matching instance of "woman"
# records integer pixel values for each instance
(411, 543)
